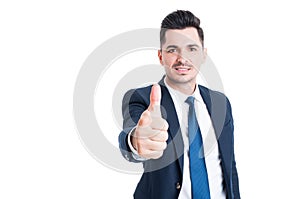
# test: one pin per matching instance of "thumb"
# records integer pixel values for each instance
(155, 97)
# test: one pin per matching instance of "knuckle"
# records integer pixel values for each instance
(154, 155)
(165, 135)
(159, 154)
(166, 125)
(164, 145)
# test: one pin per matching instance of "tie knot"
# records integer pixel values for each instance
(190, 100)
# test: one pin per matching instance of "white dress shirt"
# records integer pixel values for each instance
(211, 149)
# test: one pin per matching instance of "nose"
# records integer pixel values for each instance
(181, 59)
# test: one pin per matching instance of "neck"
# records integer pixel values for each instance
(187, 88)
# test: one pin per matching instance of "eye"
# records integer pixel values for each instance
(193, 49)
(171, 50)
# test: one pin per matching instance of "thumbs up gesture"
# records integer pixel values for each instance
(150, 136)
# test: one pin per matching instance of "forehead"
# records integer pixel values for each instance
(182, 37)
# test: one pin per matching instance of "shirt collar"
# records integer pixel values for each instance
(197, 95)
(181, 96)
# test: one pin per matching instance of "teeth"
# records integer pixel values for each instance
(182, 69)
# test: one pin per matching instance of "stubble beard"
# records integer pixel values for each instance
(181, 82)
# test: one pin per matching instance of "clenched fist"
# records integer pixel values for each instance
(150, 136)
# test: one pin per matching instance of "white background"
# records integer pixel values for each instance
(254, 44)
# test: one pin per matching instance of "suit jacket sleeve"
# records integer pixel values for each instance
(235, 179)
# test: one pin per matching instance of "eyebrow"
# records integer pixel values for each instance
(193, 45)
(190, 45)
(172, 46)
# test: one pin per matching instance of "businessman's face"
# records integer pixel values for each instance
(181, 55)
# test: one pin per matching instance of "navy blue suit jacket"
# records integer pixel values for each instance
(162, 178)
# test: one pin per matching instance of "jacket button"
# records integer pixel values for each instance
(178, 185)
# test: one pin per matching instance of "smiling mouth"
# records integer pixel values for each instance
(182, 69)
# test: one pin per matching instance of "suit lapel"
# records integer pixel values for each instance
(217, 108)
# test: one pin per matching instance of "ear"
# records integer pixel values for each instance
(204, 54)
(159, 53)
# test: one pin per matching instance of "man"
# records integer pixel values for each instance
(181, 132)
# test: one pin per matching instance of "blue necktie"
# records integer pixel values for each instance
(198, 173)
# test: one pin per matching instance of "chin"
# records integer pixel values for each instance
(182, 79)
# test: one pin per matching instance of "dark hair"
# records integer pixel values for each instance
(180, 19)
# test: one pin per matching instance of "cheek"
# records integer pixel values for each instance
(169, 60)
(197, 60)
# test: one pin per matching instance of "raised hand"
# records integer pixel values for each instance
(150, 136)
